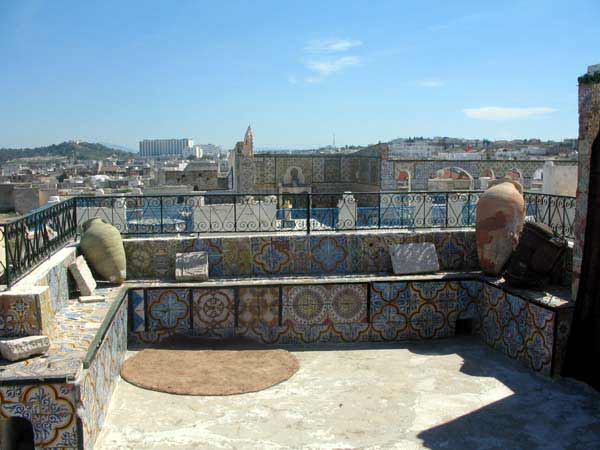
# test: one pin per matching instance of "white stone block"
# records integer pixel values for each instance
(20, 348)
(83, 276)
(191, 266)
(91, 298)
(414, 258)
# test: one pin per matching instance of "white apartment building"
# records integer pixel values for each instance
(161, 148)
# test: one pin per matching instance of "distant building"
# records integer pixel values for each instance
(161, 148)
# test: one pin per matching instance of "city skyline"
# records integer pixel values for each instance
(365, 72)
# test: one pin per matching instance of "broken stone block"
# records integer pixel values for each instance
(191, 266)
(83, 276)
(414, 258)
(91, 298)
(20, 348)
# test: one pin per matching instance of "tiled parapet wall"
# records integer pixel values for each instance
(531, 328)
(323, 253)
(589, 126)
(306, 313)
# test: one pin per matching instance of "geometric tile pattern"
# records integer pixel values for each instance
(213, 310)
(19, 316)
(258, 313)
(518, 328)
(326, 303)
(137, 308)
(168, 309)
(342, 253)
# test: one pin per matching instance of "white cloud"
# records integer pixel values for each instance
(501, 113)
(431, 83)
(312, 80)
(332, 45)
(325, 68)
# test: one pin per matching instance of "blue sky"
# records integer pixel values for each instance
(298, 71)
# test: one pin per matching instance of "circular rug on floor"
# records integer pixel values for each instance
(199, 367)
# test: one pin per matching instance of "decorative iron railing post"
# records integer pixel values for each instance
(447, 208)
(379, 209)
(308, 205)
(161, 214)
(234, 212)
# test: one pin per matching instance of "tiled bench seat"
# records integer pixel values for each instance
(527, 325)
(65, 393)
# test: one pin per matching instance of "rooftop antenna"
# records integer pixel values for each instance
(334, 140)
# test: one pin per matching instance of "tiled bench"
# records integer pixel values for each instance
(526, 325)
(65, 393)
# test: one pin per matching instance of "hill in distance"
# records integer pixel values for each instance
(81, 150)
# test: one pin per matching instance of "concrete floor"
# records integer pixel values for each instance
(446, 394)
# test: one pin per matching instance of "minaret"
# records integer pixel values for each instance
(248, 145)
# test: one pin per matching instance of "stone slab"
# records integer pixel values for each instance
(91, 298)
(25, 347)
(83, 276)
(192, 266)
(414, 258)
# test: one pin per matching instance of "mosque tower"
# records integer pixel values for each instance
(248, 145)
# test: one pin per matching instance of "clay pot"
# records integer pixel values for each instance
(499, 221)
(102, 247)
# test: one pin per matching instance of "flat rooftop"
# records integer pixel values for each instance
(447, 394)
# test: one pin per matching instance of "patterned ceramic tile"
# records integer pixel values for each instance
(49, 407)
(347, 303)
(19, 315)
(304, 305)
(168, 309)
(237, 257)
(329, 254)
(214, 310)
(271, 256)
(137, 307)
(258, 306)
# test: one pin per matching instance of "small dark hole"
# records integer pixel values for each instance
(464, 327)
(16, 433)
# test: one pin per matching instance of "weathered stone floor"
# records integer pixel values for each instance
(446, 394)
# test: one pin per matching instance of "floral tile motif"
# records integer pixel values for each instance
(49, 407)
(258, 306)
(19, 315)
(349, 332)
(347, 303)
(300, 254)
(390, 302)
(237, 257)
(168, 309)
(137, 307)
(563, 329)
(319, 304)
(271, 256)
(329, 254)
(213, 309)
(304, 305)
(375, 255)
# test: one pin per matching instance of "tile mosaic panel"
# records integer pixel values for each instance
(51, 409)
(100, 378)
(271, 256)
(168, 309)
(520, 329)
(214, 311)
(321, 304)
(414, 309)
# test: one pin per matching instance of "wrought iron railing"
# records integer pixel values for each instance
(307, 212)
(29, 240)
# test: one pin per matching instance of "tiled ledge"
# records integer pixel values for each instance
(73, 332)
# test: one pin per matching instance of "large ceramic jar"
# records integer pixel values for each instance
(102, 247)
(499, 221)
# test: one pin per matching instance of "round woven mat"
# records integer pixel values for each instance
(189, 366)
